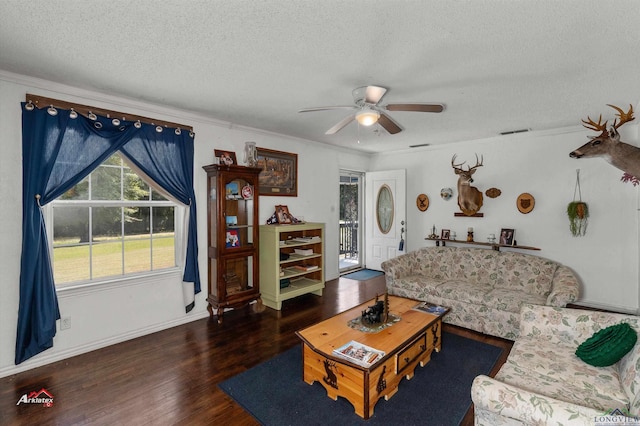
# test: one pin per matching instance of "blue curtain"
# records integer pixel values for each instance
(57, 153)
(167, 159)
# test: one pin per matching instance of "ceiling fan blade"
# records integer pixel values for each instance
(415, 107)
(341, 124)
(373, 94)
(388, 124)
(328, 108)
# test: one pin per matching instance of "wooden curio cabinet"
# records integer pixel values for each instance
(233, 237)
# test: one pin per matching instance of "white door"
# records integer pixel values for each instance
(385, 214)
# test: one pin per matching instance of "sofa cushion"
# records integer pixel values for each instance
(555, 371)
(432, 262)
(474, 266)
(529, 274)
(415, 287)
(608, 346)
(461, 291)
(510, 300)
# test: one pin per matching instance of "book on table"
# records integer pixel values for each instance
(430, 308)
(359, 354)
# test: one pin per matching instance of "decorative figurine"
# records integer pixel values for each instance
(433, 235)
(378, 313)
(470, 235)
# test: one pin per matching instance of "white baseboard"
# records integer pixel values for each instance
(606, 307)
(44, 358)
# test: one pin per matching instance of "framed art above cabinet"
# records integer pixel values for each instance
(279, 172)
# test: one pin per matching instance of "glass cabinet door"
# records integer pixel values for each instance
(238, 214)
(237, 273)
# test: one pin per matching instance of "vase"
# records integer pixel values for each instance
(250, 154)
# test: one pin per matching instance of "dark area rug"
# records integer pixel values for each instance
(363, 274)
(438, 394)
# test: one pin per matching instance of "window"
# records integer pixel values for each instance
(111, 224)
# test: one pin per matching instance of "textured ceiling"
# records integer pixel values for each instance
(497, 65)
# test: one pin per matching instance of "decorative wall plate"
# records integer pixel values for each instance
(247, 192)
(446, 193)
(525, 203)
(422, 202)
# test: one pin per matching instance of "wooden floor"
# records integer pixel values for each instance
(171, 377)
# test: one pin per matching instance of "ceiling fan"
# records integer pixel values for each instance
(368, 110)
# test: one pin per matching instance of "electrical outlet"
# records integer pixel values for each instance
(65, 323)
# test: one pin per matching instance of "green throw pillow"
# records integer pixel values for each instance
(608, 346)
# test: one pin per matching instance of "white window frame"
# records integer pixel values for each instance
(180, 212)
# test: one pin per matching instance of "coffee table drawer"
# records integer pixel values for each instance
(410, 353)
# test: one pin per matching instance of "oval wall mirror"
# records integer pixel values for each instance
(384, 209)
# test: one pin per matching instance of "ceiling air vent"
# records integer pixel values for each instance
(513, 132)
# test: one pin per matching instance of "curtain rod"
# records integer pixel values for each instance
(42, 102)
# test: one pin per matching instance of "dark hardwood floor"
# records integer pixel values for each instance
(171, 377)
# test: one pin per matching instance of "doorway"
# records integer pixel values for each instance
(350, 231)
(385, 214)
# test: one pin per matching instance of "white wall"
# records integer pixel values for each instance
(606, 258)
(121, 311)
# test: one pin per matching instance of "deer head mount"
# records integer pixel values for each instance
(608, 145)
(469, 198)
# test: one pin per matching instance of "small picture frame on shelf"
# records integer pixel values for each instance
(506, 236)
(445, 234)
(232, 191)
(232, 239)
(283, 215)
(231, 220)
(227, 158)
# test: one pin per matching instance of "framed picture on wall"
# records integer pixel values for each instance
(279, 174)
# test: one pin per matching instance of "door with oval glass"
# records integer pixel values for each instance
(385, 213)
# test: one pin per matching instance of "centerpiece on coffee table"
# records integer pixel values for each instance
(375, 318)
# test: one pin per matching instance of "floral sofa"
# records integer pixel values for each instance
(484, 288)
(544, 382)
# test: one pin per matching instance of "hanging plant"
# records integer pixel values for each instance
(578, 211)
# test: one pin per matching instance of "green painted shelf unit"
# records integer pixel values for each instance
(299, 273)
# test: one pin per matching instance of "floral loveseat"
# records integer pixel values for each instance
(544, 382)
(484, 288)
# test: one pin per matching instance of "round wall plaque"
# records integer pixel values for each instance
(422, 202)
(493, 192)
(525, 203)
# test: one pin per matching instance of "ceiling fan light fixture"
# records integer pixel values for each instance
(367, 117)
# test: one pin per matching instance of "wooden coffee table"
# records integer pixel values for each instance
(406, 344)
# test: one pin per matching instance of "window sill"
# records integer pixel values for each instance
(87, 287)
